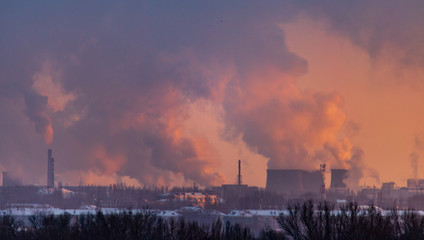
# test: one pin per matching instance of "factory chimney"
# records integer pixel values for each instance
(239, 173)
(322, 171)
(50, 169)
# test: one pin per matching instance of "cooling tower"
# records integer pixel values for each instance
(312, 182)
(337, 178)
(292, 181)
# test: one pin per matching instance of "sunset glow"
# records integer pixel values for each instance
(173, 93)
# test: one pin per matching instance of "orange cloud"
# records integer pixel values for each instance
(105, 162)
(47, 83)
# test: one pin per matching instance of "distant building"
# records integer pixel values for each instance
(196, 198)
(8, 181)
(231, 191)
(391, 196)
(293, 181)
(415, 185)
(387, 188)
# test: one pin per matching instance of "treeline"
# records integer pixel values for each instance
(302, 221)
(121, 226)
(321, 221)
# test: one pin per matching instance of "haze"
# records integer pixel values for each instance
(168, 93)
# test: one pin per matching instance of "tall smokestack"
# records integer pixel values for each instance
(322, 170)
(239, 173)
(50, 169)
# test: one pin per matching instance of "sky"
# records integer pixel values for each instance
(171, 93)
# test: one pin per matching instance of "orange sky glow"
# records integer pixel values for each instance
(151, 94)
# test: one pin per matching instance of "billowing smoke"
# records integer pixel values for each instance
(358, 169)
(419, 142)
(110, 86)
(390, 29)
(414, 157)
(291, 127)
(37, 112)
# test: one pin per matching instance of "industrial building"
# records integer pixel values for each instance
(337, 178)
(338, 188)
(9, 181)
(50, 169)
(415, 185)
(293, 181)
(232, 193)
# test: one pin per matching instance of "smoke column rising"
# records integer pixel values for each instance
(109, 86)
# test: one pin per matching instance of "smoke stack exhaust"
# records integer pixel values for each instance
(50, 169)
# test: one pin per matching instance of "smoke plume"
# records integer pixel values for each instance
(37, 112)
(414, 157)
(113, 81)
(390, 29)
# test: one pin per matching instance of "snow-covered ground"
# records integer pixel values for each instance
(19, 211)
(47, 210)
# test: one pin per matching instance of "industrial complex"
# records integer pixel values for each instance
(283, 186)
